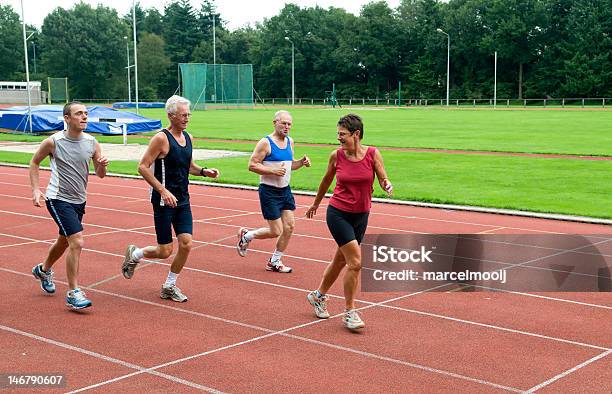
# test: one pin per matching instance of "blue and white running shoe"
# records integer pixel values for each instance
(76, 299)
(46, 278)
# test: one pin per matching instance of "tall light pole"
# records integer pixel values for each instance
(135, 52)
(127, 52)
(447, 62)
(25, 54)
(34, 49)
(214, 32)
(292, 70)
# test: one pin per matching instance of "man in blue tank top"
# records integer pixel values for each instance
(272, 159)
(70, 152)
(166, 165)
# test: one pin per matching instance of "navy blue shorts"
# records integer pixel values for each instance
(273, 200)
(167, 217)
(346, 226)
(68, 216)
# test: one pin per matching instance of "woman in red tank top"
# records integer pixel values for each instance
(354, 167)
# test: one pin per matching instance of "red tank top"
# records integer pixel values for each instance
(354, 179)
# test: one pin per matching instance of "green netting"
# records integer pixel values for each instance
(58, 90)
(222, 84)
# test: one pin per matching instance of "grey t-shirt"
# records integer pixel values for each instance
(70, 167)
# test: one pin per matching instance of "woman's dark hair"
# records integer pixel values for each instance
(352, 123)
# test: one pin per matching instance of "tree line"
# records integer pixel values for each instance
(545, 48)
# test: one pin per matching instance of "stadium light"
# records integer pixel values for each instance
(292, 70)
(127, 52)
(447, 62)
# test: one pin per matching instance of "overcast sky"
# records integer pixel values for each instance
(237, 13)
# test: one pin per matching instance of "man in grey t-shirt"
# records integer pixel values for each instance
(70, 152)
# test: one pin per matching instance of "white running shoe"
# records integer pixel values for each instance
(319, 304)
(352, 321)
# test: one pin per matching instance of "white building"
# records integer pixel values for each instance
(17, 93)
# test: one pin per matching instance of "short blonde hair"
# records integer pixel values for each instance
(173, 102)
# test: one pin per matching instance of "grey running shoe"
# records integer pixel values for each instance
(173, 293)
(129, 264)
(352, 321)
(243, 244)
(319, 304)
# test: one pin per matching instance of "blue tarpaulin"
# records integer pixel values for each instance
(125, 104)
(101, 120)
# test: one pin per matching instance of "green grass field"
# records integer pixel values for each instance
(576, 132)
(568, 186)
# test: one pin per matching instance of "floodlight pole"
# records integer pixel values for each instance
(495, 83)
(127, 52)
(25, 53)
(34, 49)
(447, 62)
(135, 52)
(214, 31)
(292, 71)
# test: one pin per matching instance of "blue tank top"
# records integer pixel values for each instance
(278, 158)
(173, 170)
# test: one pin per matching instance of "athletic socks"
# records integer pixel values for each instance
(249, 236)
(318, 294)
(276, 256)
(137, 254)
(171, 279)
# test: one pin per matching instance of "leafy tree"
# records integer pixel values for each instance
(83, 44)
(153, 22)
(11, 45)
(514, 29)
(152, 65)
(182, 34)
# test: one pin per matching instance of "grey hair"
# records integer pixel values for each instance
(174, 101)
(278, 114)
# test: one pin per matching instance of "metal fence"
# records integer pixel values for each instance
(436, 102)
(421, 102)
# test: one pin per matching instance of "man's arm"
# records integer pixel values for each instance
(100, 162)
(256, 161)
(46, 148)
(303, 162)
(195, 169)
(158, 146)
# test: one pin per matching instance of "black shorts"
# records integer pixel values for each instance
(68, 216)
(346, 226)
(273, 200)
(166, 217)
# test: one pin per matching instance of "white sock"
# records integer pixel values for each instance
(276, 256)
(171, 279)
(250, 235)
(138, 254)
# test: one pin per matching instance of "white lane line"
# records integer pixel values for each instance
(373, 213)
(267, 252)
(284, 333)
(370, 304)
(107, 358)
(569, 371)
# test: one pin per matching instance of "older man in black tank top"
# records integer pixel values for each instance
(166, 166)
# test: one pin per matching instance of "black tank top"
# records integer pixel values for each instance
(173, 170)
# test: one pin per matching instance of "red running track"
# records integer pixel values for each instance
(248, 330)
